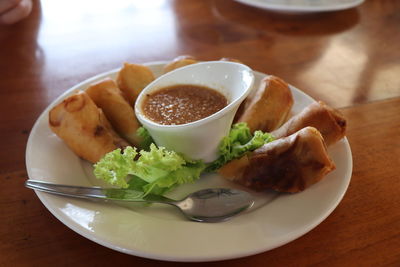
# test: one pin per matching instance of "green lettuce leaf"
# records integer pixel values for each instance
(155, 171)
(237, 143)
(115, 166)
(146, 139)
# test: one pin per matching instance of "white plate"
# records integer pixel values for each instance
(302, 5)
(160, 232)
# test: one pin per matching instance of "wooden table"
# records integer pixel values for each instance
(349, 59)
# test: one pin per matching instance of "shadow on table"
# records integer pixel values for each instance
(301, 24)
(232, 24)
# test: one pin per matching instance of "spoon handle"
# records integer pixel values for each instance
(114, 194)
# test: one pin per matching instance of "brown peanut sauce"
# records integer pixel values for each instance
(182, 103)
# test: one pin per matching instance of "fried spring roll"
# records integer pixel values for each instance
(290, 164)
(269, 107)
(132, 78)
(179, 62)
(107, 96)
(231, 60)
(328, 121)
(84, 128)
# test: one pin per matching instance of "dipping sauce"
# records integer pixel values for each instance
(182, 103)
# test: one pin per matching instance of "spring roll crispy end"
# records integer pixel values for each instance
(179, 62)
(107, 96)
(330, 122)
(269, 107)
(290, 164)
(132, 78)
(84, 128)
(229, 59)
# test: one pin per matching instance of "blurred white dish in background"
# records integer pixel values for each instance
(302, 5)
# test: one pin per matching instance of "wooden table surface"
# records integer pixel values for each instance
(349, 59)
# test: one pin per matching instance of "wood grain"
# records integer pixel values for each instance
(349, 59)
(342, 58)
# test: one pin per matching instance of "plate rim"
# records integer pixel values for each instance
(78, 228)
(299, 8)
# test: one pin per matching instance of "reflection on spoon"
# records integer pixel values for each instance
(207, 205)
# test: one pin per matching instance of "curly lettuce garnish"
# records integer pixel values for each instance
(237, 143)
(155, 170)
(146, 139)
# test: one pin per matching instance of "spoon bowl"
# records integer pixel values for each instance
(213, 205)
(207, 205)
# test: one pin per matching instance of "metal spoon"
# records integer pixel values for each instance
(207, 205)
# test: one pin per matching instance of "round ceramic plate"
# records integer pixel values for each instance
(302, 5)
(161, 232)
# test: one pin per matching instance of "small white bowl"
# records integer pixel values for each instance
(200, 139)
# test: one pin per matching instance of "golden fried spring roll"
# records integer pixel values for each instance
(328, 121)
(84, 128)
(290, 164)
(269, 107)
(231, 60)
(107, 96)
(132, 78)
(179, 62)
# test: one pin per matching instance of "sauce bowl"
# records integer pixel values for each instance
(199, 140)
